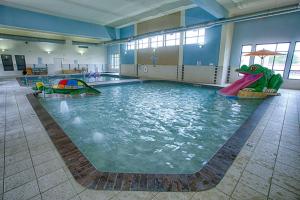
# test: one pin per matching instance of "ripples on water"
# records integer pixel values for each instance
(152, 127)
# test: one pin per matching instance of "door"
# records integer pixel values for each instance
(7, 62)
(20, 61)
(58, 64)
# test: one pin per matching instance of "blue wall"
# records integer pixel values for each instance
(127, 57)
(283, 28)
(19, 18)
(209, 53)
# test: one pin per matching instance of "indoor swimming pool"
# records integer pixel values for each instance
(151, 127)
(54, 79)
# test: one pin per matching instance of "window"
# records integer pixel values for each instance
(157, 41)
(245, 60)
(7, 62)
(143, 43)
(130, 45)
(276, 63)
(295, 68)
(115, 61)
(195, 36)
(172, 39)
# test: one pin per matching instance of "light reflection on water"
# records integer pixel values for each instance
(151, 127)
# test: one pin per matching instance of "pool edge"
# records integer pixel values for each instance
(87, 175)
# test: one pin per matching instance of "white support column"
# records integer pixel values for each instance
(180, 56)
(182, 23)
(225, 52)
(135, 49)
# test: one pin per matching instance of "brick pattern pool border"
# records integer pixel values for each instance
(88, 176)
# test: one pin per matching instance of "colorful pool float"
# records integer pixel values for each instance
(67, 87)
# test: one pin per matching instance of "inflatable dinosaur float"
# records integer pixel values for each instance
(257, 82)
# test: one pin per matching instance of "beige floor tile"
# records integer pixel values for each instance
(227, 184)
(25, 191)
(255, 182)
(67, 171)
(286, 182)
(259, 170)
(17, 167)
(60, 192)
(44, 157)
(51, 180)
(97, 194)
(279, 193)
(37, 197)
(243, 192)
(212, 194)
(286, 170)
(19, 179)
(289, 157)
(16, 149)
(17, 157)
(173, 195)
(134, 195)
(39, 149)
(48, 167)
(77, 187)
(1, 186)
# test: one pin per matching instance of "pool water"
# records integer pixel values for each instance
(50, 80)
(151, 127)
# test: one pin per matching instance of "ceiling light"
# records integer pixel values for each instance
(48, 52)
(3, 50)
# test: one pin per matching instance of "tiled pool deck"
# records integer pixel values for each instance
(268, 165)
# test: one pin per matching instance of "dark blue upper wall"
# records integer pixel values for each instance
(19, 18)
(209, 52)
(283, 28)
(127, 57)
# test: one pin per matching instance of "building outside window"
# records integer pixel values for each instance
(195, 36)
(143, 43)
(115, 61)
(276, 63)
(157, 41)
(172, 39)
(295, 67)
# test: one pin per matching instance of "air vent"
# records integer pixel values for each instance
(83, 47)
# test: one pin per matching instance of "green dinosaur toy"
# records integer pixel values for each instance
(269, 82)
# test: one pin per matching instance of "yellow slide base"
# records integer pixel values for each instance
(254, 95)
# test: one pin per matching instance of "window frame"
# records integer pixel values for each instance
(157, 41)
(139, 43)
(290, 69)
(115, 61)
(197, 37)
(276, 43)
(131, 46)
(177, 39)
(241, 53)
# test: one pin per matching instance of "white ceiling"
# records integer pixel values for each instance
(104, 12)
(239, 7)
(120, 12)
